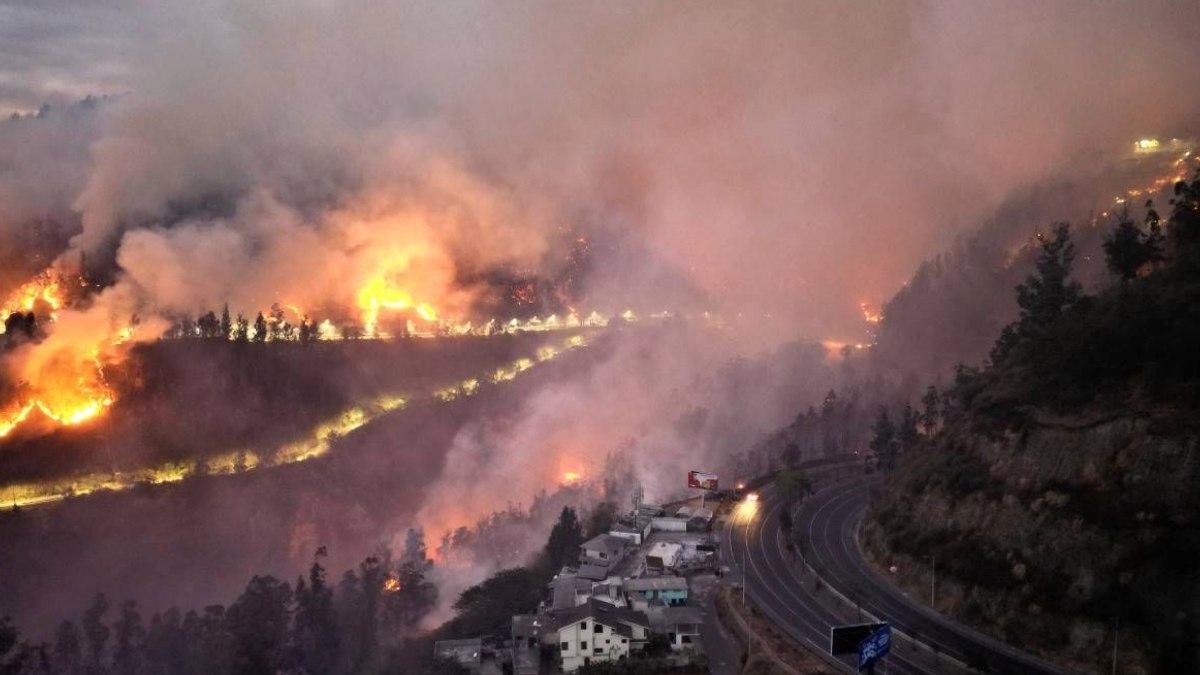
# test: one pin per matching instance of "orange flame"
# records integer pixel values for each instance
(869, 315)
(67, 387)
(42, 289)
(378, 294)
(70, 390)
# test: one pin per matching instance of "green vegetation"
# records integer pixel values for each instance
(1057, 483)
(1131, 346)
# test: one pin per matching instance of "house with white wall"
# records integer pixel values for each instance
(596, 631)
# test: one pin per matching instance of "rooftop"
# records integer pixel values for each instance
(665, 547)
(612, 616)
(592, 572)
(565, 588)
(656, 584)
(608, 544)
(680, 616)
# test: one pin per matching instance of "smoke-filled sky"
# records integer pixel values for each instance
(792, 158)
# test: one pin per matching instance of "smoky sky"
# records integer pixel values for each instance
(791, 159)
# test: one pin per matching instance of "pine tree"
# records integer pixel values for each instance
(241, 329)
(930, 414)
(260, 328)
(1044, 295)
(315, 628)
(226, 324)
(258, 623)
(129, 635)
(96, 632)
(166, 646)
(883, 439)
(411, 596)
(1126, 249)
(562, 548)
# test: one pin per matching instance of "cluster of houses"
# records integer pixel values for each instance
(629, 584)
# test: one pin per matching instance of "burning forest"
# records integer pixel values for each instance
(439, 308)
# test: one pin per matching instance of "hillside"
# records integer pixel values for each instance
(1059, 495)
(180, 400)
(955, 304)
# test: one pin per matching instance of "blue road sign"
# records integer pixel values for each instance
(875, 646)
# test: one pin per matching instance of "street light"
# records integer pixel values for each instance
(746, 512)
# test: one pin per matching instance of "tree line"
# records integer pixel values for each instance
(312, 627)
(367, 622)
(270, 327)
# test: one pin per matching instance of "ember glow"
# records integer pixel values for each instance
(67, 386)
(43, 292)
(63, 385)
(379, 295)
(69, 391)
(317, 444)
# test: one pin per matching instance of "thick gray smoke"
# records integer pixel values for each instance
(784, 162)
(790, 158)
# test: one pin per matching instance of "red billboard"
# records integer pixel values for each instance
(702, 481)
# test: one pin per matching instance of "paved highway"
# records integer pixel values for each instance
(789, 595)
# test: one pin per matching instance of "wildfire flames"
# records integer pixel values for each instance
(869, 315)
(378, 295)
(65, 386)
(61, 379)
(67, 395)
(318, 443)
(43, 290)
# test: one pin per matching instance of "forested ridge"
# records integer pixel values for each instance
(1056, 482)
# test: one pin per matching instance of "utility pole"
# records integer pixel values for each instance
(749, 619)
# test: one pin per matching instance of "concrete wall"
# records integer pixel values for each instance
(611, 645)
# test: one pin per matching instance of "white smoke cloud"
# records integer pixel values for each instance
(831, 145)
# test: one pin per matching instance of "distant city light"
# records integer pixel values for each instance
(1146, 145)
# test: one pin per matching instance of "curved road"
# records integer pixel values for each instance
(781, 589)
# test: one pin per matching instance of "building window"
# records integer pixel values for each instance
(583, 625)
(597, 650)
(624, 641)
(565, 646)
(599, 628)
(583, 646)
(686, 639)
